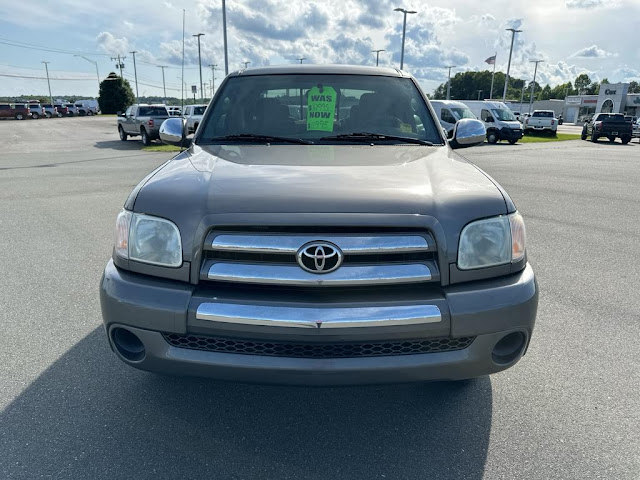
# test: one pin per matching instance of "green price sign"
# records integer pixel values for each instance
(321, 108)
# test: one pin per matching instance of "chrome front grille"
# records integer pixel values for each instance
(369, 259)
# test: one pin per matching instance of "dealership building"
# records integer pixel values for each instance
(613, 98)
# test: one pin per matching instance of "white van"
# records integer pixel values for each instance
(449, 112)
(499, 120)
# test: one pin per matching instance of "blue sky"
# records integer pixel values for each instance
(572, 36)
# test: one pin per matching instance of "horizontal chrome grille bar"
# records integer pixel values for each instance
(349, 244)
(308, 317)
(347, 275)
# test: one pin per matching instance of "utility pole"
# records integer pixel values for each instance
(135, 74)
(377, 52)
(506, 79)
(213, 77)
(301, 59)
(246, 64)
(46, 67)
(198, 35)
(479, 94)
(224, 29)
(524, 85)
(449, 81)
(164, 87)
(119, 65)
(533, 84)
(404, 31)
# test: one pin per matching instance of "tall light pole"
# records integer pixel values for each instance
(404, 31)
(449, 81)
(135, 74)
(246, 64)
(213, 77)
(96, 64)
(506, 80)
(164, 86)
(46, 67)
(533, 84)
(198, 35)
(479, 94)
(301, 59)
(377, 52)
(224, 29)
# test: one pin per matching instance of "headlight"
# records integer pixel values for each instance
(492, 241)
(148, 239)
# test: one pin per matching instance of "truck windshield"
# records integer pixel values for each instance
(152, 111)
(503, 115)
(319, 109)
(199, 110)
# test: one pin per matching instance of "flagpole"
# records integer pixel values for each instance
(493, 75)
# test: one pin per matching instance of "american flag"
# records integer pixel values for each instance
(491, 60)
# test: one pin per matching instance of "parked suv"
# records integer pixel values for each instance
(19, 112)
(36, 110)
(62, 109)
(193, 115)
(143, 120)
(345, 247)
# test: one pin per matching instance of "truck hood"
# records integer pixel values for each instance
(384, 180)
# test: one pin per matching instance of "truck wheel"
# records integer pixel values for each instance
(625, 140)
(513, 141)
(594, 137)
(89, 113)
(492, 137)
(35, 116)
(146, 141)
(123, 136)
(19, 116)
(583, 135)
(48, 115)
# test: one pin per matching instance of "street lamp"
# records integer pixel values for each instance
(164, 87)
(224, 29)
(96, 64)
(198, 35)
(246, 64)
(449, 81)
(135, 74)
(506, 80)
(301, 59)
(213, 77)
(377, 52)
(46, 67)
(533, 84)
(404, 31)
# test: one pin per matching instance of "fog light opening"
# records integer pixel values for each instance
(509, 348)
(128, 344)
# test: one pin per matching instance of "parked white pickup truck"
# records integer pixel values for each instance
(193, 114)
(541, 121)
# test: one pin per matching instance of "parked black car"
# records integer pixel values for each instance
(608, 125)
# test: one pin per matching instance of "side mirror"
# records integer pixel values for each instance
(467, 133)
(172, 132)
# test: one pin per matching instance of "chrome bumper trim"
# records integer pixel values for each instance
(349, 244)
(347, 275)
(318, 317)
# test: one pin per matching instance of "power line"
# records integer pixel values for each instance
(31, 46)
(34, 77)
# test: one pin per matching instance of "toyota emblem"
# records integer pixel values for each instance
(319, 257)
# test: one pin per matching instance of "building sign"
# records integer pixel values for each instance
(591, 101)
(609, 92)
(575, 100)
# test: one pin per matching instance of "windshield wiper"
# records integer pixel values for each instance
(256, 138)
(375, 136)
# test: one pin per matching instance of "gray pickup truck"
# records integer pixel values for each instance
(343, 243)
(143, 120)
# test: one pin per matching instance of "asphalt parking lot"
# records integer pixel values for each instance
(70, 409)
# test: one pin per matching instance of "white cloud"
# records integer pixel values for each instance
(592, 52)
(625, 74)
(584, 3)
(112, 45)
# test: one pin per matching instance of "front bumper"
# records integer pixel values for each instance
(150, 308)
(510, 133)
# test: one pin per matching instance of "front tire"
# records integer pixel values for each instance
(625, 140)
(35, 116)
(146, 141)
(594, 137)
(492, 137)
(19, 116)
(48, 115)
(123, 136)
(89, 113)
(513, 141)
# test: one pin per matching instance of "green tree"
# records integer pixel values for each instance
(115, 94)
(582, 83)
(634, 87)
(545, 94)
